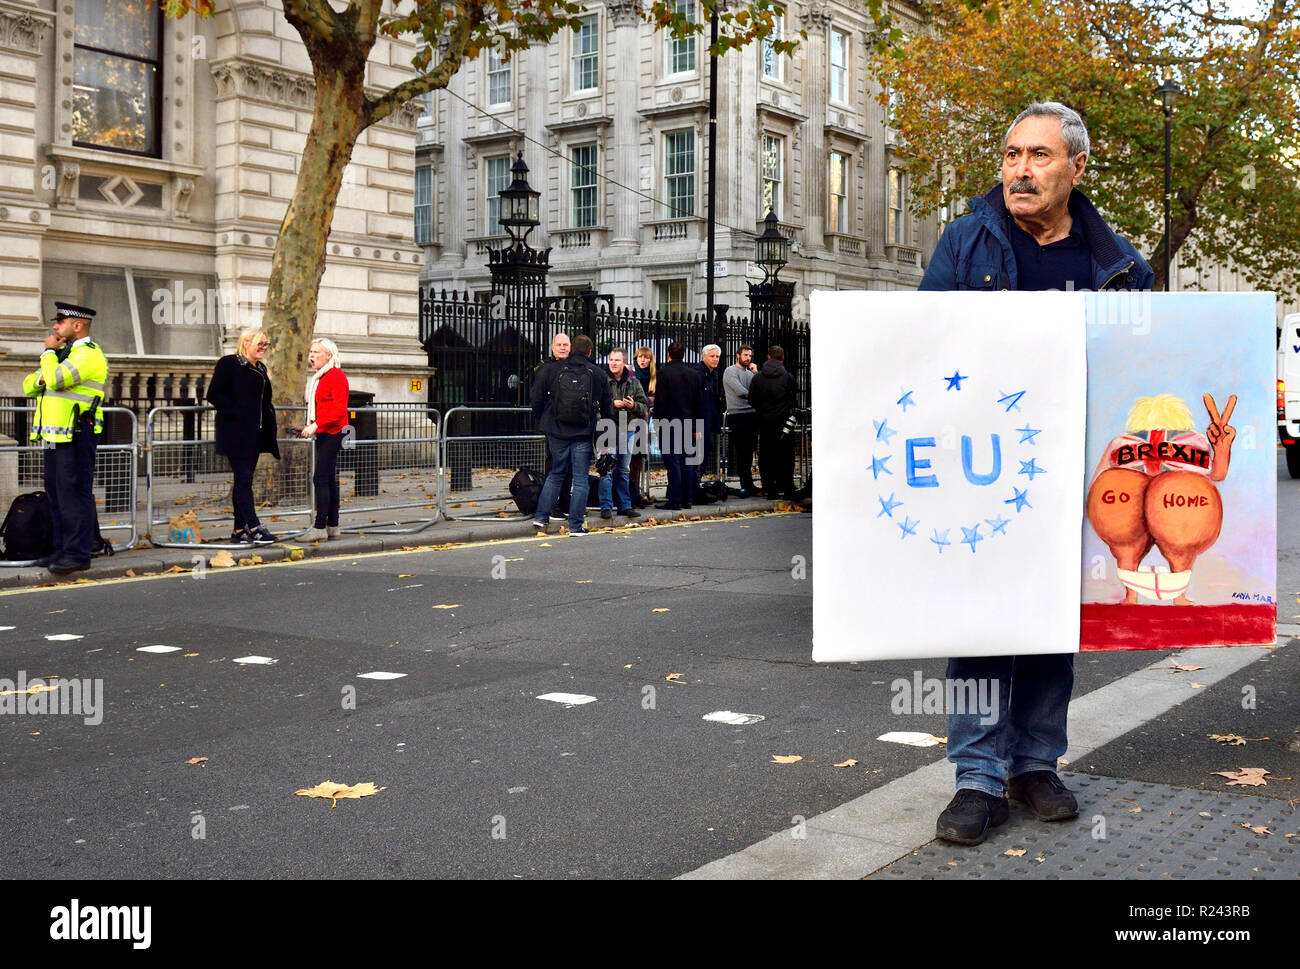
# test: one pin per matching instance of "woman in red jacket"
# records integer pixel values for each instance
(327, 415)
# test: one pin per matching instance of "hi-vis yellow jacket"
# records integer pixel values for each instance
(70, 387)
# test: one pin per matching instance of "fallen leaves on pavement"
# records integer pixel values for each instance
(1232, 739)
(335, 791)
(1180, 668)
(197, 760)
(1015, 852)
(661, 610)
(1257, 828)
(448, 605)
(1245, 777)
(848, 763)
(786, 758)
(674, 678)
(222, 560)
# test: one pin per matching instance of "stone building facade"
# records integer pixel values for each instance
(145, 167)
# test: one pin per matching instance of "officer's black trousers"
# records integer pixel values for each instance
(70, 483)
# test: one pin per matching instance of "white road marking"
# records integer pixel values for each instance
(568, 699)
(380, 675)
(158, 649)
(876, 829)
(263, 660)
(735, 719)
(64, 637)
(5, 629)
(908, 737)
(418, 585)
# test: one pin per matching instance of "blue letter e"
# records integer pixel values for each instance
(915, 464)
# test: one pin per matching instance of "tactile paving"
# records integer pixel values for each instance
(1150, 831)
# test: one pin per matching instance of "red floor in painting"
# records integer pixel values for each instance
(1120, 626)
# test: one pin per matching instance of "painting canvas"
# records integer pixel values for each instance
(975, 454)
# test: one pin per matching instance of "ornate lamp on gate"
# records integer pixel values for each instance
(519, 204)
(770, 302)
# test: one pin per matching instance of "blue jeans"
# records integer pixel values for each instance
(1033, 698)
(567, 457)
(616, 480)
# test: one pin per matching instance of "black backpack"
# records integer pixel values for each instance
(28, 529)
(526, 489)
(572, 397)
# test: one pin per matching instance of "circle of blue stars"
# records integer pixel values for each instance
(980, 531)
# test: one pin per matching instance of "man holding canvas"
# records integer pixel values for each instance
(1034, 231)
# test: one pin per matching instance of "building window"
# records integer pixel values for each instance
(837, 211)
(679, 173)
(671, 295)
(584, 186)
(586, 55)
(897, 208)
(423, 205)
(772, 61)
(117, 87)
(681, 52)
(773, 163)
(498, 72)
(839, 66)
(496, 177)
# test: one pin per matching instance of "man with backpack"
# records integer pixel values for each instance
(568, 395)
(69, 391)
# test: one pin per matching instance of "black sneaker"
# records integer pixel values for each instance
(630, 513)
(607, 513)
(575, 532)
(261, 536)
(558, 519)
(63, 566)
(240, 536)
(967, 818)
(540, 526)
(1045, 795)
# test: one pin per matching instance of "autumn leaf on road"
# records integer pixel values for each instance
(661, 610)
(786, 758)
(1015, 852)
(1245, 777)
(1180, 668)
(335, 791)
(222, 560)
(848, 763)
(1233, 739)
(406, 575)
(1257, 828)
(674, 678)
(196, 760)
(453, 605)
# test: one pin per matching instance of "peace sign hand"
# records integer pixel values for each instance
(1220, 432)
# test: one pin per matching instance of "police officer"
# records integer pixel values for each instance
(69, 391)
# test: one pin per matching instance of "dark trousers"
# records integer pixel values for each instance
(742, 436)
(241, 493)
(634, 479)
(775, 459)
(325, 479)
(681, 479)
(70, 483)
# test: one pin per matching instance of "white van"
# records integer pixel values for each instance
(1288, 391)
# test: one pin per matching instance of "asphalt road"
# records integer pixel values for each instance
(481, 778)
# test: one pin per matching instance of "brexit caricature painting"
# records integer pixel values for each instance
(976, 451)
(1180, 536)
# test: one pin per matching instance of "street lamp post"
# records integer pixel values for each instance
(771, 301)
(1166, 93)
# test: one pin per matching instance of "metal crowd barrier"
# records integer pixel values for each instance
(22, 469)
(479, 465)
(802, 434)
(184, 473)
(397, 472)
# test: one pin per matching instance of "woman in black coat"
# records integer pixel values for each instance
(240, 390)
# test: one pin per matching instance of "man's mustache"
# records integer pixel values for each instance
(1023, 185)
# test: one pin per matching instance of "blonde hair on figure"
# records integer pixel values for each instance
(1162, 410)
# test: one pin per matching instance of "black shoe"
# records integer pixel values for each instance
(261, 536)
(686, 504)
(44, 561)
(240, 537)
(967, 818)
(664, 506)
(630, 513)
(1045, 795)
(607, 513)
(64, 566)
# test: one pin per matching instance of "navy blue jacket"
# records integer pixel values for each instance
(544, 389)
(975, 252)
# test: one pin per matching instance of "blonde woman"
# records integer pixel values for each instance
(240, 390)
(647, 374)
(327, 415)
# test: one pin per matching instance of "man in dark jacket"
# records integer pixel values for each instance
(1035, 231)
(715, 403)
(679, 413)
(568, 395)
(772, 395)
(617, 438)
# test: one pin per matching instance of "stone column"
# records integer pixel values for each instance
(816, 92)
(625, 15)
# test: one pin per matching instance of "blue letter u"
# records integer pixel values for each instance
(967, 460)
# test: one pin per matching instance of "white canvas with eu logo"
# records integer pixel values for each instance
(949, 441)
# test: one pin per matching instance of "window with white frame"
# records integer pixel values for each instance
(679, 173)
(672, 296)
(773, 160)
(583, 181)
(837, 208)
(496, 176)
(839, 66)
(498, 78)
(773, 63)
(423, 205)
(681, 51)
(117, 83)
(586, 55)
(897, 192)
